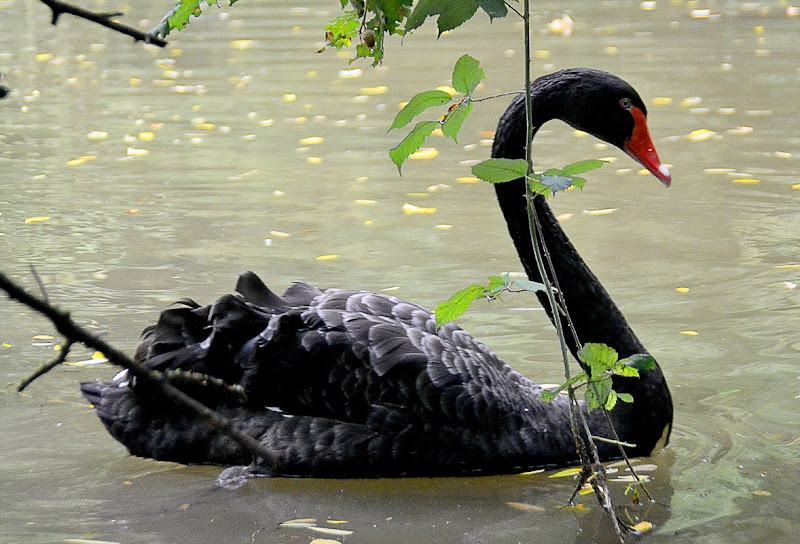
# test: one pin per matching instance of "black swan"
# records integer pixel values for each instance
(357, 384)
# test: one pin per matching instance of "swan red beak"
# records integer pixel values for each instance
(641, 149)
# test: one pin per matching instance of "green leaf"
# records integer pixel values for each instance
(496, 283)
(454, 120)
(532, 286)
(640, 361)
(547, 395)
(556, 183)
(342, 30)
(419, 103)
(625, 371)
(393, 12)
(412, 142)
(598, 357)
(467, 73)
(181, 17)
(625, 397)
(458, 304)
(578, 182)
(494, 8)
(451, 13)
(611, 401)
(597, 393)
(581, 167)
(500, 170)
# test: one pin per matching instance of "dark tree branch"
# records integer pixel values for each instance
(47, 367)
(104, 19)
(74, 333)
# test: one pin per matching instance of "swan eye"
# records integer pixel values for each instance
(625, 103)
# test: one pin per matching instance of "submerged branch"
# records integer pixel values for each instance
(75, 333)
(57, 7)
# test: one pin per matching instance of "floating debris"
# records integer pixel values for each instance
(525, 507)
(330, 257)
(411, 209)
(682, 289)
(701, 135)
(603, 211)
(689, 333)
(38, 219)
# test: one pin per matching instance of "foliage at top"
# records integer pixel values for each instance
(367, 23)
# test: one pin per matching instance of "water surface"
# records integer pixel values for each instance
(228, 172)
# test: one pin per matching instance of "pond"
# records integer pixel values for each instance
(134, 176)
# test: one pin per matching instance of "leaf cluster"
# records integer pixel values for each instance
(467, 74)
(547, 183)
(600, 362)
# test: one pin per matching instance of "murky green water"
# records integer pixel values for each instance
(206, 208)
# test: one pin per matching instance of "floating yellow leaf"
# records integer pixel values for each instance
(603, 211)
(573, 508)
(311, 140)
(701, 135)
(788, 266)
(336, 521)
(424, 153)
(137, 152)
(41, 337)
(410, 209)
(700, 13)
(330, 531)
(299, 521)
(147, 136)
(205, 126)
(278, 194)
(642, 527)
(44, 57)
(267, 122)
(738, 131)
(682, 289)
(566, 473)
(278, 234)
(289, 97)
(375, 91)
(745, 181)
(350, 74)
(525, 507)
(97, 135)
(689, 333)
(762, 493)
(241, 45)
(443, 227)
(468, 179)
(783, 155)
(38, 219)
(98, 355)
(314, 160)
(366, 202)
(612, 50)
(329, 257)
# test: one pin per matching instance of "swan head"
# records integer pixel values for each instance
(609, 108)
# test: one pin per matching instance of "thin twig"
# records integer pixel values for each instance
(47, 367)
(57, 7)
(74, 333)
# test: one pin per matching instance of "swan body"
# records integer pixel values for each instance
(339, 383)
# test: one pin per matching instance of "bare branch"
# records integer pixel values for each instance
(47, 367)
(74, 333)
(103, 19)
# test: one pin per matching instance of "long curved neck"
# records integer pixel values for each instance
(595, 316)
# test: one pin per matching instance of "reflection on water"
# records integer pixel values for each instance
(230, 173)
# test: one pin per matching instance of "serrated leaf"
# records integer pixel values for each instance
(419, 103)
(597, 393)
(640, 361)
(581, 167)
(467, 73)
(457, 304)
(451, 13)
(412, 142)
(599, 357)
(625, 371)
(625, 397)
(532, 286)
(452, 124)
(500, 170)
(556, 183)
(494, 8)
